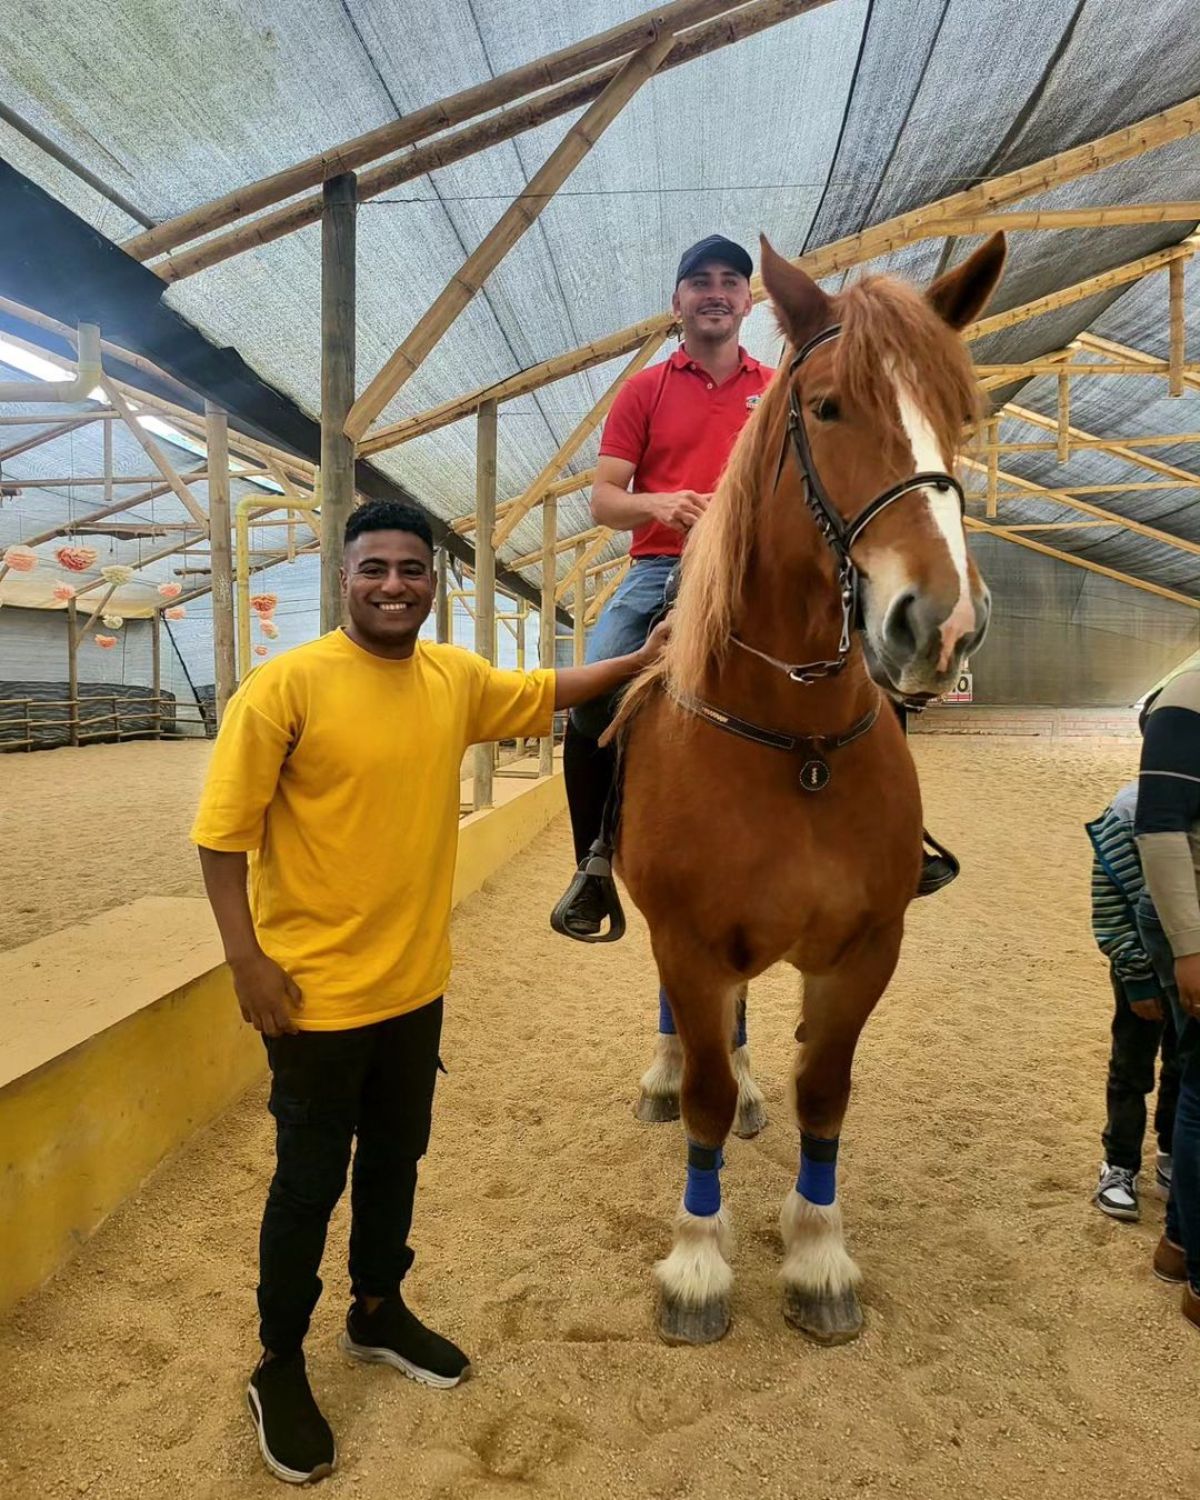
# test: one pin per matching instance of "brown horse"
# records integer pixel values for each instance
(771, 810)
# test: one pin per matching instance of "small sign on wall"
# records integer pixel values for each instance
(963, 690)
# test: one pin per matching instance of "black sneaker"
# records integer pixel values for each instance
(587, 911)
(392, 1335)
(295, 1439)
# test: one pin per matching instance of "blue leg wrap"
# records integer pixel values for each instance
(666, 1021)
(817, 1180)
(702, 1196)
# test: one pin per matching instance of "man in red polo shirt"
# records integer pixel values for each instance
(665, 443)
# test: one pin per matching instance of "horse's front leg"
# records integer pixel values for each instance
(818, 1274)
(695, 1279)
(658, 1095)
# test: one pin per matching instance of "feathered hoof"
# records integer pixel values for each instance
(688, 1323)
(751, 1118)
(826, 1318)
(656, 1109)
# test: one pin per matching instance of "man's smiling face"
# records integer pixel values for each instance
(387, 582)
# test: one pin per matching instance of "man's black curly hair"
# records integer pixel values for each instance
(388, 515)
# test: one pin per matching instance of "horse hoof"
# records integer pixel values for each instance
(687, 1323)
(829, 1318)
(751, 1118)
(657, 1109)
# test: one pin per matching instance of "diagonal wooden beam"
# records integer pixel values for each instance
(1064, 497)
(531, 559)
(1006, 535)
(1177, 123)
(578, 568)
(1112, 350)
(513, 224)
(1074, 218)
(1125, 451)
(506, 525)
(48, 436)
(503, 125)
(602, 595)
(617, 41)
(153, 452)
(555, 491)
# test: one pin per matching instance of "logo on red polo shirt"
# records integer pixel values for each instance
(752, 402)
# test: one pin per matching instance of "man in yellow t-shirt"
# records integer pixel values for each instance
(337, 769)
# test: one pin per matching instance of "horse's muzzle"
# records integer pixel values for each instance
(919, 646)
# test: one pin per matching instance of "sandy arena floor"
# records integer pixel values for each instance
(1016, 1344)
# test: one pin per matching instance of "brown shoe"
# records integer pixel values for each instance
(1169, 1262)
(1191, 1304)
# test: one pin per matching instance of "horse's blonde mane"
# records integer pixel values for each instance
(889, 332)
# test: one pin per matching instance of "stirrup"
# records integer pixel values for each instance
(595, 870)
(928, 884)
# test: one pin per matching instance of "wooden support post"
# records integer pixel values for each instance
(338, 311)
(522, 622)
(156, 670)
(441, 602)
(153, 452)
(511, 226)
(580, 623)
(108, 463)
(1178, 329)
(221, 559)
(73, 672)
(485, 575)
(993, 464)
(546, 621)
(1064, 416)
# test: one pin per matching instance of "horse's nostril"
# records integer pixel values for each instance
(900, 628)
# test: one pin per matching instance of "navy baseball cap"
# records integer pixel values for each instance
(714, 247)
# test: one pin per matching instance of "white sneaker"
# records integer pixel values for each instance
(1116, 1192)
(1162, 1170)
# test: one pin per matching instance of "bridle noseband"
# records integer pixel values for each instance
(839, 535)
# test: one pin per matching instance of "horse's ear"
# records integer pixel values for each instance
(962, 294)
(801, 306)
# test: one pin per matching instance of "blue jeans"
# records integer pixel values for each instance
(623, 627)
(1183, 1206)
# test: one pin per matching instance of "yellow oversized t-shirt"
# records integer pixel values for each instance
(338, 772)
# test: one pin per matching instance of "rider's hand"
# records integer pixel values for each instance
(681, 510)
(267, 996)
(1187, 977)
(1147, 1010)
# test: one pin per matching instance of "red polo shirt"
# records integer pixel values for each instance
(678, 427)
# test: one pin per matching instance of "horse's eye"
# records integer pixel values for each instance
(825, 409)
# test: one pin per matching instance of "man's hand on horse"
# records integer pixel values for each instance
(1187, 977)
(655, 642)
(268, 997)
(681, 510)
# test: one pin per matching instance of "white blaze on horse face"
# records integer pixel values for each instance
(947, 517)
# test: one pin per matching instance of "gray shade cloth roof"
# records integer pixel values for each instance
(834, 120)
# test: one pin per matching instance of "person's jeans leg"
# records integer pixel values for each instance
(623, 626)
(393, 1134)
(315, 1081)
(1130, 1080)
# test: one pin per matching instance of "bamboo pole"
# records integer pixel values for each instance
(73, 670)
(1177, 123)
(1104, 217)
(1177, 328)
(568, 486)
(584, 554)
(1112, 350)
(602, 595)
(579, 631)
(993, 464)
(1064, 497)
(1007, 535)
(109, 591)
(572, 445)
(338, 312)
(221, 546)
(465, 105)
(529, 558)
(1125, 449)
(441, 601)
(38, 438)
(485, 576)
(991, 376)
(153, 452)
(156, 669)
(513, 223)
(1064, 417)
(547, 622)
(108, 463)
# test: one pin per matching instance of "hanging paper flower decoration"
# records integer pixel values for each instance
(261, 650)
(76, 559)
(176, 612)
(20, 559)
(264, 604)
(116, 574)
(106, 642)
(268, 628)
(112, 622)
(64, 592)
(170, 590)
